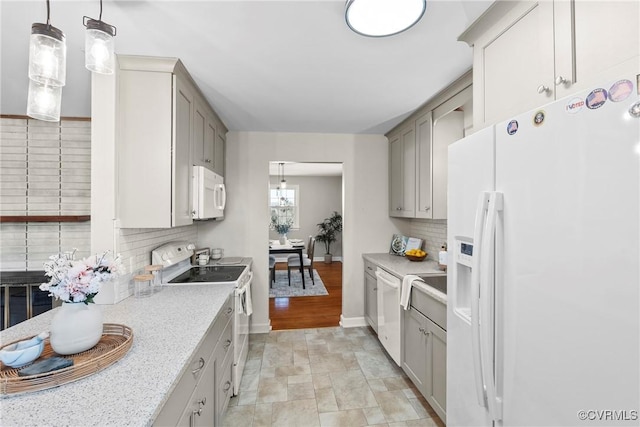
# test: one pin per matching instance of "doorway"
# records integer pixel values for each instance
(302, 195)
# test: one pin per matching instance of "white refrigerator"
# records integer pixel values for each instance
(544, 270)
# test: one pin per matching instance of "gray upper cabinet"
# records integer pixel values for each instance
(424, 183)
(155, 106)
(528, 53)
(402, 169)
(219, 148)
(418, 153)
(209, 138)
(165, 126)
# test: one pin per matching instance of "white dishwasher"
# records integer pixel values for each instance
(389, 313)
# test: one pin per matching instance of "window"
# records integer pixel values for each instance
(284, 202)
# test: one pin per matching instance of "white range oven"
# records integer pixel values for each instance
(175, 257)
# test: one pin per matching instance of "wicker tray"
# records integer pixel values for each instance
(115, 343)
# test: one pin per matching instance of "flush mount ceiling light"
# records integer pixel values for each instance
(381, 18)
(99, 55)
(47, 70)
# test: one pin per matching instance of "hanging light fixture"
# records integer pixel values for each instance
(43, 101)
(381, 18)
(283, 182)
(47, 70)
(99, 55)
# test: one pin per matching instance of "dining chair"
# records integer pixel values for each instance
(305, 254)
(272, 271)
(294, 261)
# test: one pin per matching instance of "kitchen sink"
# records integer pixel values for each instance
(437, 282)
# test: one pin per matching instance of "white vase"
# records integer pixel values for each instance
(283, 239)
(75, 327)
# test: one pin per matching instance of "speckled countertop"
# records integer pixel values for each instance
(400, 267)
(167, 329)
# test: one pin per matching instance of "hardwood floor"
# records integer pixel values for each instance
(310, 312)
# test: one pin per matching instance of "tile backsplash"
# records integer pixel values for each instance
(45, 170)
(432, 231)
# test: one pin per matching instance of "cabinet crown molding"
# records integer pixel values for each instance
(151, 63)
(488, 19)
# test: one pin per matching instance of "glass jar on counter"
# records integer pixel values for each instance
(156, 271)
(143, 285)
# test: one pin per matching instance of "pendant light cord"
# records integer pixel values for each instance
(48, 14)
(100, 17)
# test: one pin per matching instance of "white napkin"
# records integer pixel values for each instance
(405, 294)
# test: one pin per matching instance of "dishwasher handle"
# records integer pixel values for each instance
(387, 279)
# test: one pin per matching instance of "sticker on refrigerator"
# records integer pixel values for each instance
(634, 110)
(574, 106)
(596, 98)
(512, 127)
(620, 90)
(538, 118)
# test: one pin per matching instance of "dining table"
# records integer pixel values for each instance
(291, 247)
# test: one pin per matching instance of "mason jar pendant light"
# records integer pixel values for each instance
(43, 101)
(381, 18)
(47, 70)
(99, 55)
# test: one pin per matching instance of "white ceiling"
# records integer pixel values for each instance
(287, 66)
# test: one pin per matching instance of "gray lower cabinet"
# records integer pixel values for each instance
(370, 295)
(424, 355)
(202, 394)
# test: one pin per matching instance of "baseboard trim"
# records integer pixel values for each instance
(352, 322)
(261, 328)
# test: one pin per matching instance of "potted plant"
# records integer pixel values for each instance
(282, 226)
(328, 229)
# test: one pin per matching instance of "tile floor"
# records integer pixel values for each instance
(325, 377)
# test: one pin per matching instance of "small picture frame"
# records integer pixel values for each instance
(400, 244)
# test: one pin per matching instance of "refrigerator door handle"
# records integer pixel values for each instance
(487, 292)
(481, 209)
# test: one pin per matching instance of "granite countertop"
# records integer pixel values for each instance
(400, 267)
(134, 389)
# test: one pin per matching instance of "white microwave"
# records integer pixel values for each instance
(209, 194)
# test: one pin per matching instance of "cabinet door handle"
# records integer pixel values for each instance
(227, 386)
(543, 89)
(421, 330)
(561, 81)
(229, 311)
(398, 208)
(375, 289)
(227, 344)
(199, 368)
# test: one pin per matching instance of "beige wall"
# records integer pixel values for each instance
(245, 230)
